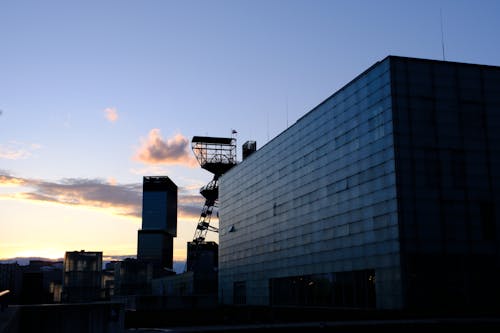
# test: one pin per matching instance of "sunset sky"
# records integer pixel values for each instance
(94, 95)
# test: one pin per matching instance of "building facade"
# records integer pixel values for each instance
(386, 195)
(11, 279)
(159, 224)
(82, 276)
(202, 259)
(133, 277)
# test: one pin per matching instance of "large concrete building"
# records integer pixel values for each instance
(385, 195)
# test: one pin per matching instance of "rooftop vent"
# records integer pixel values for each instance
(249, 148)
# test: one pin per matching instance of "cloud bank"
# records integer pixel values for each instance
(96, 193)
(123, 200)
(155, 150)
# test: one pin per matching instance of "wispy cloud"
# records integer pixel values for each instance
(111, 114)
(112, 181)
(155, 150)
(14, 150)
(151, 170)
(118, 199)
(67, 120)
(190, 206)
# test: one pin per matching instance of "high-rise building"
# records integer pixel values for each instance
(159, 224)
(82, 276)
(385, 195)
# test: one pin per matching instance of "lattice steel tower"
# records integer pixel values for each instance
(216, 155)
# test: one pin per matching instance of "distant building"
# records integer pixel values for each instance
(179, 285)
(11, 279)
(41, 282)
(33, 291)
(202, 259)
(108, 279)
(385, 195)
(38, 282)
(159, 224)
(133, 277)
(82, 276)
(197, 287)
(107, 283)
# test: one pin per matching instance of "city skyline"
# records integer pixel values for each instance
(95, 96)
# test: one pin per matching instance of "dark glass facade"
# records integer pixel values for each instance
(159, 204)
(396, 174)
(446, 120)
(343, 289)
(82, 274)
(202, 260)
(159, 224)
(320, 198)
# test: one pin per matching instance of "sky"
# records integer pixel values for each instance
(94, 95)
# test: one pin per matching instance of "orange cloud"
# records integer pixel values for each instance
(112, 181)
(111, 114)
(6, 180)
(155, 150)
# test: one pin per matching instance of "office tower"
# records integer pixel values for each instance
(159, 224)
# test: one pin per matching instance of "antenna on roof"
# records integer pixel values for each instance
(287, 111)
(267, 125)
(234, 133)
(442, 34)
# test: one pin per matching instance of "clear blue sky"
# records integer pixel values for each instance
(96, 94)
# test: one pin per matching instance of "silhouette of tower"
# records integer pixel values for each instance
(159, 224)
(216, 155)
